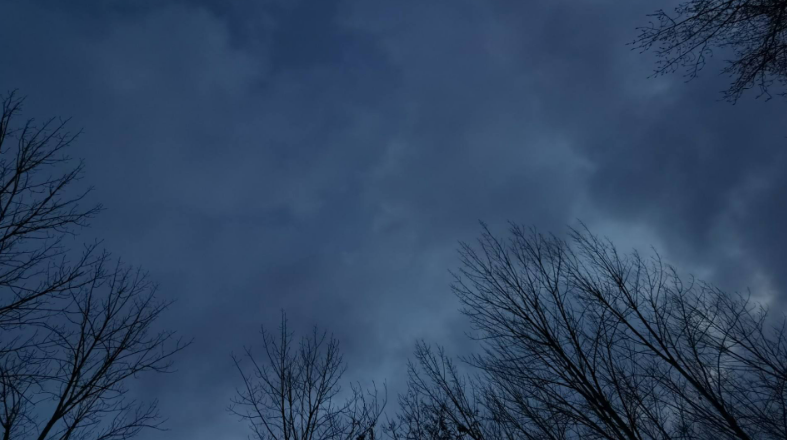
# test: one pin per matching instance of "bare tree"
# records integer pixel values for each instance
(293, 393)
(580, 342)
(39, 209)
(440, 403)
(753, 32)
(75, 326)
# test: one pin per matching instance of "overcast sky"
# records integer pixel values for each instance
(325, 157)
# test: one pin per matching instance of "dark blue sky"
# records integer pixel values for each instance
(326, 156)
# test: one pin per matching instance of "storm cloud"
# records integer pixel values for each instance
(325, 157)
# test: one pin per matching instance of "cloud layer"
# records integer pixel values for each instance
(326, 157)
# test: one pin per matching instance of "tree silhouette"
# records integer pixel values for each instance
(292, 392)
(752, 32)
(581, 342)
(440, 403)
(75, 326)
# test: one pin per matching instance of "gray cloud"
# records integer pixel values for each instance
(326, 159)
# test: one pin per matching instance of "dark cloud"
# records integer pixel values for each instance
(325, 157)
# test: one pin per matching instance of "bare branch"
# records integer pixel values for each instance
(293, 393)
(752, 32)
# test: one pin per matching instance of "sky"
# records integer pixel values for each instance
(326, 157)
